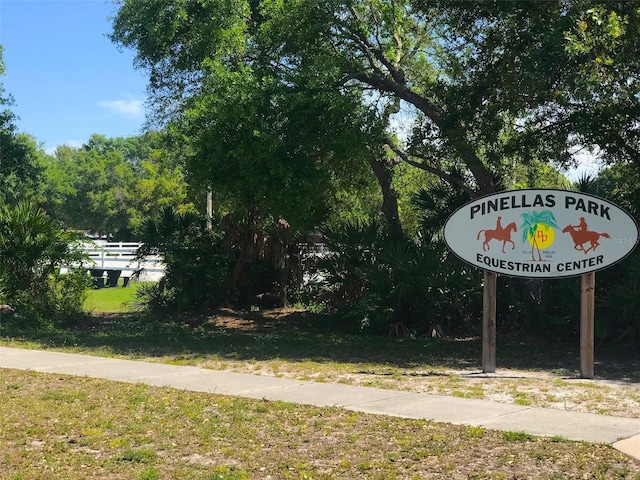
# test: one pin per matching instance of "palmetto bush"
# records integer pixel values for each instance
(403, 285)
(33, 247)
(197, 266)
(378, 283)
(239, 259)
(618, 287)
(618, 316)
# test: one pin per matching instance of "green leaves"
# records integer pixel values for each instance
(32, 249)
(174, 38)
(18, 165)
(533, 220)
(373, 280)
(110, 185)
(597, 27)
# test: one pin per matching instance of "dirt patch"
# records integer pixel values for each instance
(615, 390)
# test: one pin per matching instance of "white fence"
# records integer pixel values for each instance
(110, 256)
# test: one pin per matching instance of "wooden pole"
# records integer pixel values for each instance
(209, 209)
(587, 317)
(489, 323)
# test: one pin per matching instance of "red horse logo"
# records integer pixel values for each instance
(581, 236)
(499, 233)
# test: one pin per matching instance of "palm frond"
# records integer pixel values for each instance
(529, 224)
(548, 218)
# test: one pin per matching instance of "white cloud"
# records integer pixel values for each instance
(131, 108)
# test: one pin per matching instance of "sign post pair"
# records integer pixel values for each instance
(542, 234)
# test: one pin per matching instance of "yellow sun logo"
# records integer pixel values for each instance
(543, 236)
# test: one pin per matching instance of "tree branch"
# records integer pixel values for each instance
(455, 136)
(452, 180)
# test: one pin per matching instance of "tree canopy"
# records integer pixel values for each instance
(111, 185)
(484, 84)
(257, 139)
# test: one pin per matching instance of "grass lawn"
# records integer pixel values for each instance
(58, 427)
(111, 300)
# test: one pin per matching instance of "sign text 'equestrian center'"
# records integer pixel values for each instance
(541, 233)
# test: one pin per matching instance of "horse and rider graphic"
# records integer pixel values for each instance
(584, 240)
(498, 233)
(582, 236)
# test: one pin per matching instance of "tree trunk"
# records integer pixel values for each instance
(238, 270)
(247, 238)
(282, 285)
(384, 174)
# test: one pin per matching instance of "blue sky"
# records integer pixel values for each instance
(67, 79)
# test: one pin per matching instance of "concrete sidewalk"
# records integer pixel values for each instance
(622, 433)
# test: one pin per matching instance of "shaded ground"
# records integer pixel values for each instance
(530, 371)
(297, 344)
(55, 426)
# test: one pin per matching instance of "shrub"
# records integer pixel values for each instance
(197, 265)
(244, 260)
(619, 303)
(395, 286)
(33, 247)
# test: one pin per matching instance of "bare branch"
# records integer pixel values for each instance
(451, 179)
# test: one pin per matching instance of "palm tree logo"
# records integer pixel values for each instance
(537, 229)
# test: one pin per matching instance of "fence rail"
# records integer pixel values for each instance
(110, 256)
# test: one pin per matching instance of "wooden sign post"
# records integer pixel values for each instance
(489, 322)
(587, 320)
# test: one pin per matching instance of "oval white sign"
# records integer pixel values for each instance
(541, 233)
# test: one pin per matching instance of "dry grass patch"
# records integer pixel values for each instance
(59, 427)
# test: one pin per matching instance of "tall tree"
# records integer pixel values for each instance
(18, 167)
(259, 138)
(604, 41)
(262, 144)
